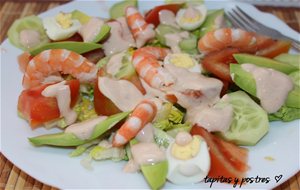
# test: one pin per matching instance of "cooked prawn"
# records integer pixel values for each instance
(145, 61)
(141, 30)
(228, 37)
(53, 61)
(142, 114)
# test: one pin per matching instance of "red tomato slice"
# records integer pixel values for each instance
(218, 62)
(23, 61)
(102, 104)
(275, 49)
(37, 109)
(153, 17)
(227, 159)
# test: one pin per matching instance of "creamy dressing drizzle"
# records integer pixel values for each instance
(114, 64)
(210, 88)
(272, 87)
(173, 39)
(62, 93)
(211, 118)
(167, 17)
(122, 93)
(146, 134)
(85, 129)
(90, 30)
(29, 38)
(145, 35)
(116, 37)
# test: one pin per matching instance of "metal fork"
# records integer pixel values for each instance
(242, 20)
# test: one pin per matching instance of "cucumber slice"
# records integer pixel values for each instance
(250, 122)
(29, 22)
(189, 45)
(118, 9)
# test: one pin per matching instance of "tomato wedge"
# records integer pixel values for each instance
(153, 17)
(274, 49)
(218, 62)
(102, 104)
(227, 159)
(38, 109)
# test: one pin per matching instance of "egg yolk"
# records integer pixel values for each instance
(64, 20)
(187, 151)
(182, 60)
(191, 15)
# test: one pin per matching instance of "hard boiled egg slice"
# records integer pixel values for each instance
(191, 17)
(61, 27)
(183, 60)
(189, 161)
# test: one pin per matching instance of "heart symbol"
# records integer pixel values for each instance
(278, 178)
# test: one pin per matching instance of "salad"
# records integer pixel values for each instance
(175, 91)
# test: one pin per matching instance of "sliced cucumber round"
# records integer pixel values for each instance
(250, 122)
(29, 22)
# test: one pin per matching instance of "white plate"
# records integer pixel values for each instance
(53, 166)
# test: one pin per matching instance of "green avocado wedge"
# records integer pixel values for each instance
(104, 31)
(264, 62)
(69, 139)
(245, 81)
(155, 174)
(78, 47)
(292, 59)
(82, 17)
(118, 9)
(210, 22)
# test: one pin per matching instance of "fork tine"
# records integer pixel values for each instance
(253, 21)
(240, 23)
(244, 19)
(233, 21)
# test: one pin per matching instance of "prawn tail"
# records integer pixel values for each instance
(142, 114)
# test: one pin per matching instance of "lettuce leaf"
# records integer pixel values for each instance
(285, 114)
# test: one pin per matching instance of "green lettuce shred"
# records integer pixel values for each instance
(85, 109)
(285, 114)
(82, 148)
(112, 153)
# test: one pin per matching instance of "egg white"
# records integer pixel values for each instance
(191, 25)
(56, 32)
(188, 171)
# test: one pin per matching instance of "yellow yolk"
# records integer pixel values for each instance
(182, 60)
(190, 19)
(187, 151)
(64, 20)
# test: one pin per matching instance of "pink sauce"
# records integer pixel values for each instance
(29, 38)
(90, 30)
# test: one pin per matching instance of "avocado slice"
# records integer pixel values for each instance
(210, 22)
(292, 59)
(118, 9)
(78, 47)
(264, 62)
(126, 70)
(104, 31)
(162, 30)
(82, 17)
(245, 81)
(155, 174)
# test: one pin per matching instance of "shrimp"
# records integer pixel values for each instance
(145, 61)
(141, 30)
(228, 37)
(51, 62)
(142, 114)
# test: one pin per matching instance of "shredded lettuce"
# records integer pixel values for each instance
(162, 138)
(85, 109)
(104, 153)
(82, 148)
(285, 114)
